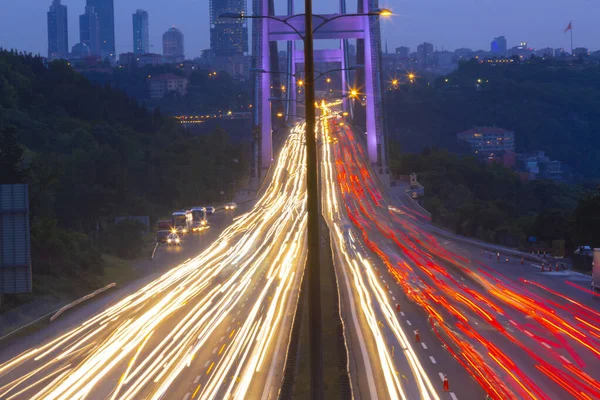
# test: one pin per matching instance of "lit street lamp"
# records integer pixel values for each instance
(312, 183)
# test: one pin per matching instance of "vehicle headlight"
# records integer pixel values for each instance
(203, 222)
(185, 231)
(176, 240)
(168, 240)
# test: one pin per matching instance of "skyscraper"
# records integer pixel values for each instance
(424, 55)
(89, 30)
(173, 45)
(58, 31)
(141, 36)
(498, 46)
(228, 36)
(106, 23)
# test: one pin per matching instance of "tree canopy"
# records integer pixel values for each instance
(549, 104)
(89, 154)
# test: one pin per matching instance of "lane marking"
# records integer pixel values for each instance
(565, 359)
(424, 345)
(214, 350)
(187, 396)
(408, 322)
(197, 379)
(228, 328)
(222, 347)
(233, 320)
(206, 363)
(196, 391)
(513, 322)
(393, 298)
(432, 359)
(222, 338)
(231, 334)
(453, 396)
(546, 345)
(390, 291)
(441, 376)
(402, 313)
(528, 333)
(210, 368)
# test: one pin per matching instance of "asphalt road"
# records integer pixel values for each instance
(214, 326)
(492, 328)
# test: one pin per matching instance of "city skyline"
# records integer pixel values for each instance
(444, 24)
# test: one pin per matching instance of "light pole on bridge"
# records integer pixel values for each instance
(312, 183)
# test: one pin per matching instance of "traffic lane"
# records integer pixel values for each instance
(193, 244)
(368, 381)
(165, 259)
(266, 382)
(435, 358)
(367, 181)
(508, 318)
(580, 314)
(366, 218)
(556, 281)
(56, 359)
(110, 380)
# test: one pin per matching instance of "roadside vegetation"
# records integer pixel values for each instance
(551, 105)
(90, 154)
(489, 202)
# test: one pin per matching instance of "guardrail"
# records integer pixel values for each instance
(416, 203)
(488, 246)
(81, 300)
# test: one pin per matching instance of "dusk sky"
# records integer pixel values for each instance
(445, 23)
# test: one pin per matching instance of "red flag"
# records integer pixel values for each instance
(570, 27)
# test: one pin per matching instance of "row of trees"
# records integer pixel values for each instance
(89, 154)
(490, 202)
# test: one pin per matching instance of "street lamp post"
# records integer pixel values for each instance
(312, 184)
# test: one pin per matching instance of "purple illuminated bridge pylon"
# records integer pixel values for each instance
(360, 27)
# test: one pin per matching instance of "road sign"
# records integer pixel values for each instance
(15, 249)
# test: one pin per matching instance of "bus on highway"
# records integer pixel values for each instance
(179, 220)
(199, 221)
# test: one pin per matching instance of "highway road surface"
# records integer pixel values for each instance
(489, 327)
(215, 326)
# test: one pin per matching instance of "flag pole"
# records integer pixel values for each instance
(571, 38)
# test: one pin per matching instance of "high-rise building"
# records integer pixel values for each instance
(58, 31)
(424, 55)
(141, 35)
(403, 52)
(173, 45)
(498, 46)
(106, 22)
(89, 30)
(228, 36)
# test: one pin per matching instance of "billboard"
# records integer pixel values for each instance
(15, 249)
